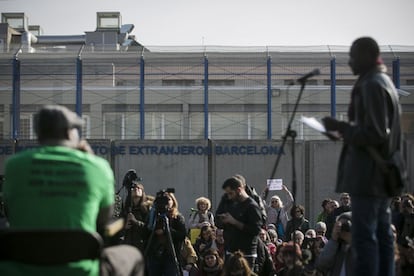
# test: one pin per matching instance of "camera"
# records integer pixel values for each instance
(161, 200)
(129, 179)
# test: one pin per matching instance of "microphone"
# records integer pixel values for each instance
(192, 210)
(311, 74)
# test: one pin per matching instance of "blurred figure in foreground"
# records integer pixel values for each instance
(373, 129)
(66, 187)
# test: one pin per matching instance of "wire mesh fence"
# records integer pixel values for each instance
(186, 92)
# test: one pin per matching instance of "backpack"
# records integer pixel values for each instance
(251, 191)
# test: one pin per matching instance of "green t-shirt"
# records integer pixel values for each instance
(57, 187)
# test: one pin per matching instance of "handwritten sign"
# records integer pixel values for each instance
(275, 184)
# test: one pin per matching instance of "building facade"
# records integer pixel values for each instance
(188, 117)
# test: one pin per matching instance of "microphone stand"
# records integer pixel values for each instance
(292, 134)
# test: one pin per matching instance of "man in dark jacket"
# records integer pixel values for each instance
(374, 121)
(241, 221)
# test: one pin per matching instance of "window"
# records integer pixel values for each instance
(308, 82)
(196, 122)
(163, 125)
(178, 82)
(238, 125)
(2, 134)
(220, 82)
(108, 22)
(339, 82)
(121, 125)
(113, 125)
(86, 129)
(26, 126)
(16, 23)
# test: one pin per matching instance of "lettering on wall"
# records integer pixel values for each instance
(169, 149)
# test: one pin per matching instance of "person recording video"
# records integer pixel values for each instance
(167, 227)
(136, 212)
(336, 258)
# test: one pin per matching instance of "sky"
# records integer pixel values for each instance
(231, 22)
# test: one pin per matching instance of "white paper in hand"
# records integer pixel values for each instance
(275, 184)
(312, 122)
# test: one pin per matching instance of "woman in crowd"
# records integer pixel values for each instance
(265, 237)
(292, 259)
(297, 222)
(205, 240)
(167, 228)
(211, 264)
(237, 265)
(136, 212)
(278, 214)
(202, 216)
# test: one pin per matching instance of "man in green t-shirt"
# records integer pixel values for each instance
(61, 185)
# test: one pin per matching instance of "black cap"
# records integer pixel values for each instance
(52, 121)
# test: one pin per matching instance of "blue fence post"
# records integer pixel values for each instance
(396, 72)
(333, 87)
(16, 97)
(79, 85)
(269, 97)
(206, 97)
(142, 98)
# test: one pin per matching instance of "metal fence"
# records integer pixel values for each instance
(186, 92)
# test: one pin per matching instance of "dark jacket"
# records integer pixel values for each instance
(374, 105)
(247, 212)
(159, 246)
(301, 224)
(332, 258)
(138, 234)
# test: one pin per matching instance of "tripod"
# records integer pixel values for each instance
(163, 221)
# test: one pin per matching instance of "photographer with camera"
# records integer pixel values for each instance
(136, 211)
(168, 232)
(336, 257)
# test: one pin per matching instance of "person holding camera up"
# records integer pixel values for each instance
(336, 257)
(136, 213)
(168, 232)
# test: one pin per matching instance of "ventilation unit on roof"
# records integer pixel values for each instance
(16, 20)
(108, 21)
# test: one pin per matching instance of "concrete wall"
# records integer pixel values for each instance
(198, 167)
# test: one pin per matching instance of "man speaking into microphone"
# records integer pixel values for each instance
(373, 126)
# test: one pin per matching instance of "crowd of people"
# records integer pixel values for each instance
(256, 247)
(65, 186)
